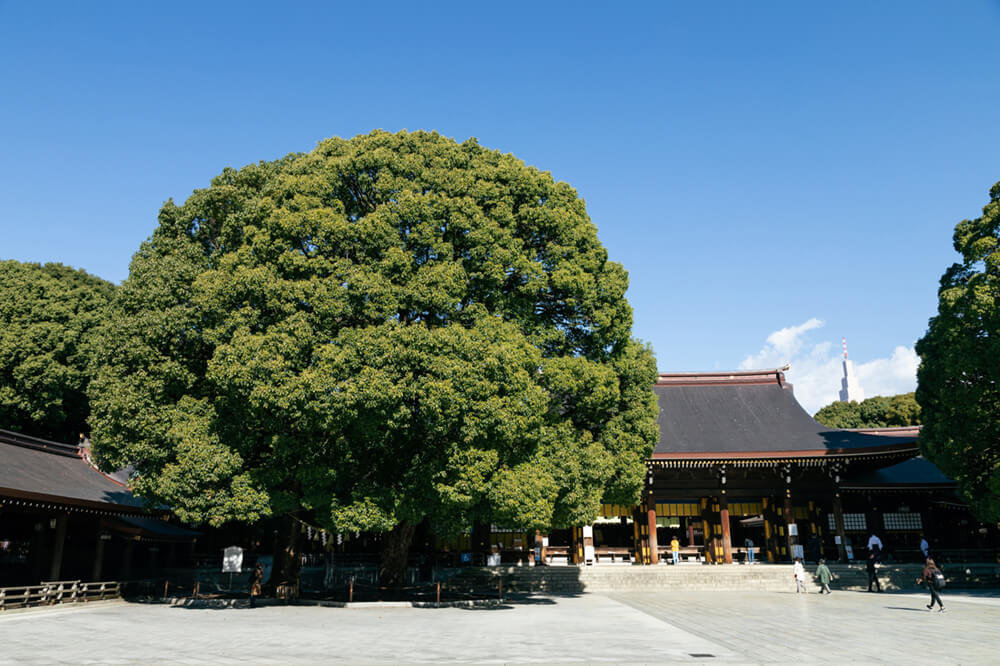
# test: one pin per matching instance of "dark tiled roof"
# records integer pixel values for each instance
(37, 469)
(913, 472)
(746, 413)
(155, 528)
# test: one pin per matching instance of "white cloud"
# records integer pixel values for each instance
(816, 367)
(889, 376)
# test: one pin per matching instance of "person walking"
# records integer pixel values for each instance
(749, 545)
(256, 581)
(824, 575)
(675, 549)
(875, 545)
(799, 572)
(873, 573)
(934, 579)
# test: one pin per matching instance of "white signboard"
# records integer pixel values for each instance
(797, 550)
(588, 532)
(793, 529)
(232, 560)
(836, 539)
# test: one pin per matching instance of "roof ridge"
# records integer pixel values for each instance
(764, 376)
(39, 444)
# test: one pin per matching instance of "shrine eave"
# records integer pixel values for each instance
(807, 458)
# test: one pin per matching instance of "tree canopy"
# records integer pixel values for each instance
(876, 412)
(958, 382)
(47, 313)
(384, 330)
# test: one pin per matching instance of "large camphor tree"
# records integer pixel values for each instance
(48, 313)
(387, 330)
(958, 382)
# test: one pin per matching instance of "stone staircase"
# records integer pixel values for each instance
(571, 580)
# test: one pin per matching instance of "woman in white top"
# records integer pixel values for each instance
(799, 572)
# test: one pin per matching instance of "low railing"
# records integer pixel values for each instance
(57, 592)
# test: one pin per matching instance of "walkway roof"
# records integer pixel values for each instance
(39, 471)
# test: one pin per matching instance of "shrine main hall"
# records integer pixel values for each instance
(741, 466)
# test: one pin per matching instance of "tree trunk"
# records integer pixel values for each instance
(395, 552)
(480, 543)
(286, 554)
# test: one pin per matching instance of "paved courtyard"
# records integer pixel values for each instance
(633, 627)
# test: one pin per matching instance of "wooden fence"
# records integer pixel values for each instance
(57, 592)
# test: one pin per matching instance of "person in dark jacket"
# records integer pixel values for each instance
(256, 581)
(873, 572)
(928, 578)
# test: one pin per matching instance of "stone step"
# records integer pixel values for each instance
(773, 577)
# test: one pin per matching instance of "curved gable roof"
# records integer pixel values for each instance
(750, 414)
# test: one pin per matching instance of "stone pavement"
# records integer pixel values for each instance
(628, 627)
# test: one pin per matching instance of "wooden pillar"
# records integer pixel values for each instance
(127, 558)
(37, 548)
(727, 542)
(872, 518)
(636, 538)
(838, 523)
(58, 547)
(791, 528)
(95, 573)
(706, 530)
(814, 529)
(654, 546)
(767, 510)
(640, 519)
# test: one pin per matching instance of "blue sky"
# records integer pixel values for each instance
(773, 175)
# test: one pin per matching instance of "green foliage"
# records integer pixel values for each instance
(385, 330)
(877, 412)
(47, 314)
(958, 382)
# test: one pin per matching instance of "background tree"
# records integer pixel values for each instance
(876, 412)
(958, 382)
(386, 330)
(47, 313)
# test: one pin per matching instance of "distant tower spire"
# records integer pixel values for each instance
(850, 389)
